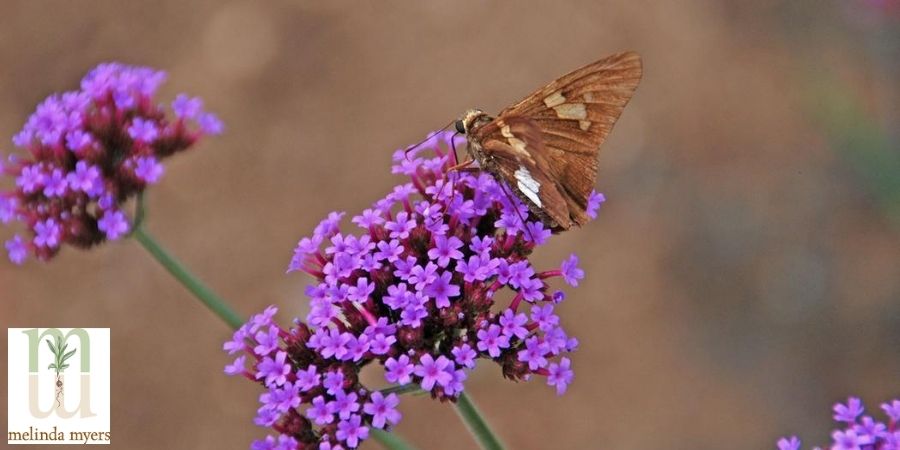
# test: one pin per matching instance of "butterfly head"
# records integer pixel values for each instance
(467, 121)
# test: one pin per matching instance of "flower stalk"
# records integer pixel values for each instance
(476, 424)
(187, 279)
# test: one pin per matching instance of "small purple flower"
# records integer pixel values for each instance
(445, 249)
(114, 224)
(335, 344)
(381, 344)
(334, 382)
(352, 431)
(266, 416)
(594, 201)
(399, 370)
(275, 371)
(400, 228)
(383, 409)
(849, 412)
(464, 355)
(281, 398)
(892, 409)
(266, 341)
(85, 178)
(143, 130)
(237, 367)
(544, 317)
(571, 272)
(210, 124)
(361, 291)
(533, 354)
(369, 218)
(344, 404)
(78, 140)
(55, 185)
(789, 443)
(481, 246)
(30, 179)
(845, 440)
(148, 169)
(8, 207)
(389, 250)
(537, 233)
(283, 442)
(319, 412)
(308, 379)
(47, 233)
(441, 290)
(869, 430)
(17, 249)
(186, 107)
(455, 386)
(421, 276)
(433, 371)
(492, 341)
(560, 375)
(470, 269)
(513, 325)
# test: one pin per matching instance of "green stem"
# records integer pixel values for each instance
(192, 283)
(400, 390)
(476, 424)
(389, 441)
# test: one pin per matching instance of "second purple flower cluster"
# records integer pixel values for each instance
(858, 431)
(89, 151)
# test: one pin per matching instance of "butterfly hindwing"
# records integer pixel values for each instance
(518, 158)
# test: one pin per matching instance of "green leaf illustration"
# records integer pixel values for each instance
(59, 355)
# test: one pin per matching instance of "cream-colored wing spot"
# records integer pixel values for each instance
(584, 124)
(588, 97)
(554, 99)
(517, 144)
(528, 185)
(574, 111)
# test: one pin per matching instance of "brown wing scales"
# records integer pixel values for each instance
(573, 144)
(560, 128)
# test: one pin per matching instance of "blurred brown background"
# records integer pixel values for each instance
(742, 277)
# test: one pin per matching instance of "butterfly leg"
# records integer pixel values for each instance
(512, 201)
(463, 167)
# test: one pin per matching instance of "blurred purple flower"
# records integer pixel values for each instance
(854, 433)
(90, 151)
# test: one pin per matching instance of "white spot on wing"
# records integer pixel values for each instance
(575, 111)
(554, 99)
(528, 186)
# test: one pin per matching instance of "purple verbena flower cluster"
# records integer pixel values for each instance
(420, 291)
(89, 151)
(858, 432)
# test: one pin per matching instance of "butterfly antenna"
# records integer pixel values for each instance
(430, 135)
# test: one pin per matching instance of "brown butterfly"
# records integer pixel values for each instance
(546, 146)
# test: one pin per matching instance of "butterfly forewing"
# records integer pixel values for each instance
(561, 127)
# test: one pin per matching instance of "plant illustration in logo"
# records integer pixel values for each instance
(60, 356)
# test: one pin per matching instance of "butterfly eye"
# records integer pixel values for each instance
(460, 127)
